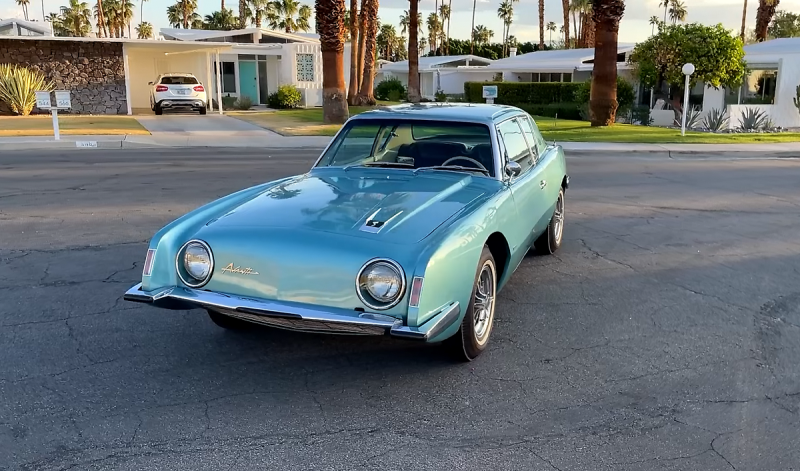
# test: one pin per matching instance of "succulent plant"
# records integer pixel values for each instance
(716, 120)
(752, 119)
(17, 87)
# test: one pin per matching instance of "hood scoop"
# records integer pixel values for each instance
(376, 222)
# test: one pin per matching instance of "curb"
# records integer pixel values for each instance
(688, 155)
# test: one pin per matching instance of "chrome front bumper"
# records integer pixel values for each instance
(295, 316)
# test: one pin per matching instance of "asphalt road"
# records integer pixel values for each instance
(664, 335)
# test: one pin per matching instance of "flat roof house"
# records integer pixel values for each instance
(445, 73)
(20, 27)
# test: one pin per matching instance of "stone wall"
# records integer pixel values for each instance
(92, 70)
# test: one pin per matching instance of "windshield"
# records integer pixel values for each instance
(412, 144)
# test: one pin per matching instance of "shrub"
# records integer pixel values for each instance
(440, 96)
(552, 110)
(17, 87)
(641, 115)
(243, 103)
(391, 89)
(626, 94)
(514, 93)
(796, 100)
(287, 96)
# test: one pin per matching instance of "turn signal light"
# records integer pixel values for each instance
(416, 291)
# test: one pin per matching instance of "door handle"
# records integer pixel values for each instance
(542, 184)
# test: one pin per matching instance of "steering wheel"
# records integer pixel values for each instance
(469, 159)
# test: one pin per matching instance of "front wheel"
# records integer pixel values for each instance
(550, 241)
(476, 328)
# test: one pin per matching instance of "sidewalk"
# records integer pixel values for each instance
(263, 138)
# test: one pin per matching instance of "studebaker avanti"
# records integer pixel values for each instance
(409, 224)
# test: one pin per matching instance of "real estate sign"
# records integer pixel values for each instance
(490, 91)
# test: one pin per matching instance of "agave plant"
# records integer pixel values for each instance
(692, 118)
(716, 120)
(17, 87)
(752, 119)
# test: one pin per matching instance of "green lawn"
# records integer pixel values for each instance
(42, 125)
(308, 122)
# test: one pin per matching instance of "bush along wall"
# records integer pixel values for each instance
(548, 99)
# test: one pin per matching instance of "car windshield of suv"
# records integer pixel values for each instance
(414, 144)
(177, 80)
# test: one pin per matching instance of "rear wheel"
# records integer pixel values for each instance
(228, 322)
(158, 109)
(476, 328)
(550, 241)
(202, 111)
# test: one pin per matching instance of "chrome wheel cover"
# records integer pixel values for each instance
(558, 218)
(483, 304)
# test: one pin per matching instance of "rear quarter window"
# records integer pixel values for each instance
(179, 81)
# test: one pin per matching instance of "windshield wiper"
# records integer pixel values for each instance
(382, 164)
(456, 167)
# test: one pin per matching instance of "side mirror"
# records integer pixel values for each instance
(513, 169)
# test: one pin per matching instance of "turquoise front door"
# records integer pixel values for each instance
(248, 80)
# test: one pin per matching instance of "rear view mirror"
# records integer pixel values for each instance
(513, 169)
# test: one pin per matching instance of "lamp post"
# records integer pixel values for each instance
(688, 70)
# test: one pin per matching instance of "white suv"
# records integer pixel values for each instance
(175, 91)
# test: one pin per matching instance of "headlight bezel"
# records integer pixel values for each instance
(183, 274)
(364, 294)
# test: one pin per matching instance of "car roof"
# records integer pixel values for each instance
(176, 74)
(466, 112)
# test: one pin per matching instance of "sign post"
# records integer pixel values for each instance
(63, 102)
(490, 93)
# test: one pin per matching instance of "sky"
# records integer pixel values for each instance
(634, 27)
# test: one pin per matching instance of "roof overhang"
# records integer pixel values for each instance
(151, 44)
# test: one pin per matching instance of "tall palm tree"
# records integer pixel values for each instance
(291, 16)
(677, 11)
(369, 10)
(141, 10)
(387, 41)
(505, 12)
(603, 98)
(330, 24)
(433, 30)
(188, 11)
(77, 18)
(482, 35)
(413, 51)
(552, 28)
(258, 10)
(99, 14)
(352, 90)
(174, 16)
(144, 30)
(665, 4)
(221, 20)
(472, 29)
(541, 25)
(565, 7)
(654, 21)
(766, 10)
(581, 12)
(444, 12)
(24, 5)
(744, 20)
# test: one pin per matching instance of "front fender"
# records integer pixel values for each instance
(167, 241)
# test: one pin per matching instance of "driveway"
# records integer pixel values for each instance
(195, 124)
(664, 335)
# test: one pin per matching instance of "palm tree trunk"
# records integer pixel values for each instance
(330, 23)
(603, 97)
(365, 93)
(449, 14)
(362, 44)
(354, 42)
(413, 51)
(242, 16)
(471, 31)
(766, 10)
(576, 30)
(222, 6)
(565, 7)
(744, 20)
(541, 25)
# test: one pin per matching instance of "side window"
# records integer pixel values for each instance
(515, 144)
(535, 138)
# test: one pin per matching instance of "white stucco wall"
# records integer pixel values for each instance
(713, 99)
(452, 81)
(784, 112)
(735, 113)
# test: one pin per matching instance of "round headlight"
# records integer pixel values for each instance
(383, 282)
(198, 263)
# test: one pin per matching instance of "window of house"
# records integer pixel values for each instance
(759, 87)
(228, 76)
(566, 77)
(305, 67)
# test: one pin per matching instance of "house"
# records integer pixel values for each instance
(445, 73)
(770, 85)
(20, 27)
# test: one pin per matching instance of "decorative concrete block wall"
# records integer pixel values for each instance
(92, 70)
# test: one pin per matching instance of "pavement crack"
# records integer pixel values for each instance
(604, 257)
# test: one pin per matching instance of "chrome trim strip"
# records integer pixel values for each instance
(434, 326)
(294, 316)
(178, 264)
(400, 294)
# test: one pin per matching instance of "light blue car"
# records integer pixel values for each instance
(409, 224)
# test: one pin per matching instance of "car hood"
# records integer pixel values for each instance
(390, 205)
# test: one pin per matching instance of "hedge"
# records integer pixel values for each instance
(550, 110)
(532, 93)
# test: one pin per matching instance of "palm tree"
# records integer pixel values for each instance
(413, 51)
(141, 10)
(654, 21)
(744, 20)
(174, 16)
(24, 5)
(505, 13)
(444, 12)
(541, 25)
(76, 18)
(352, 90)
(257, 10)
(434, 29)
(99, 14)
(221, 20)
(387, 41)
(552, 28)
(187, 9)
(330, 20)
(581, 12)
(144, 30)
(603, 100)
(472, 29)
(565, 7)
(665, 4)
(766, 10)
(369, 12)
(285, 11)
(677, 11)
(482, 35)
